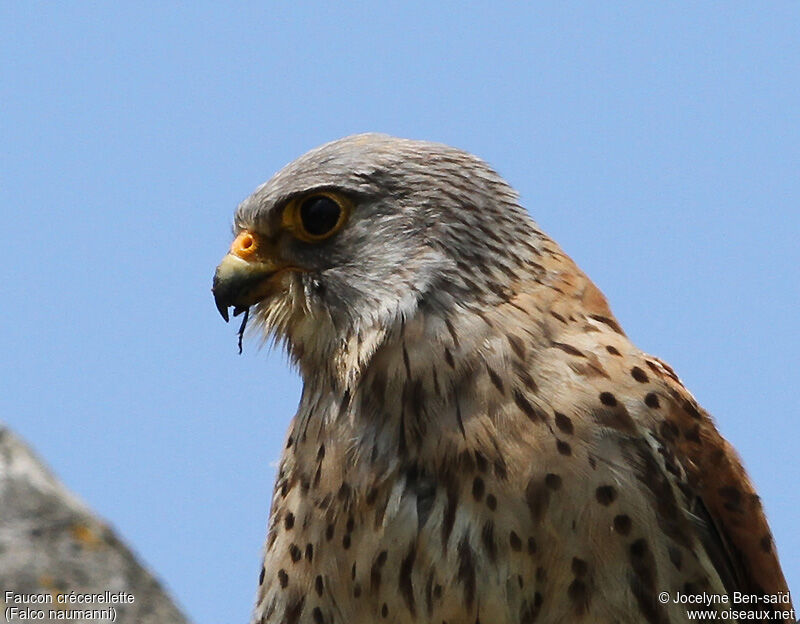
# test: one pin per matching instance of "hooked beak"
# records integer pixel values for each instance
(243, 277)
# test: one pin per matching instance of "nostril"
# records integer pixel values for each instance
(244, 245)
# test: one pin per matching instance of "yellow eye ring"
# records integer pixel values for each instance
(316, 217)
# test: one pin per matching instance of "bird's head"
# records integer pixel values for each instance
(350, 241)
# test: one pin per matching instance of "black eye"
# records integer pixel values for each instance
(319, 214)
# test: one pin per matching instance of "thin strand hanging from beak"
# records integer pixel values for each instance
(243, 325)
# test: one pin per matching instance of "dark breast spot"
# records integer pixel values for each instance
(605, 494)
(606, 398)
(617, 418)
(639, 375)
(622, 524)
(638, 549)
(344, 492)
(449, 518)
(553, 481)
(651, 400)
(405, 585)
(488, 541)
(608, 321)
(375, 571)
(478, 488)
(567, 348)
(690, 408)
(579, 567)
(495, 379)
(731, 494)
(537, 496)
(466, 461)
(669, 430)
(564, 423)
(526, 379)
(643, 583)
(578, 594)
(426, 497)
(466, 570)
(516, 345)
(693, 434)
(529, 410)
(294, 609)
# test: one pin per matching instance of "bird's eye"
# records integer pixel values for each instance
(316, 217)
(319, 215)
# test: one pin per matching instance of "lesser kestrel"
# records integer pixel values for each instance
(477, 439)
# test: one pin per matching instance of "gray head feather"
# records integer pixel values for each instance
(432, 227)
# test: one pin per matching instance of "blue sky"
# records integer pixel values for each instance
(659, 144)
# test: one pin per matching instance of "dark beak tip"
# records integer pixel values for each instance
(222, 307)
(234, 284)
(220, 296)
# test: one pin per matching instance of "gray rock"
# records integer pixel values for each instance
(51, 545)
